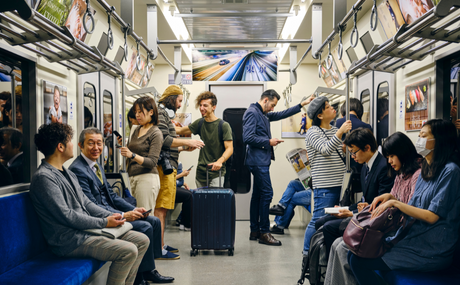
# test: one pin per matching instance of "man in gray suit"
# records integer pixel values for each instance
(94, 184)
(65, 212)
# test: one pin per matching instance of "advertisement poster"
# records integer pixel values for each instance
(182, 120)
(331, 76)
(414, 9)
(235, 65)
(67, 13)
(390, 17)
(416, 101)
(295, 126)
(54, 102)
(136, 76)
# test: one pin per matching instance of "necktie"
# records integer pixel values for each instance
(367, 173)
(99, 173)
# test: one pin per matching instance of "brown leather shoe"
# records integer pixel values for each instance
(254, 235)
(268, 239)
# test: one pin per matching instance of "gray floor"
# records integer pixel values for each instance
(253, 263)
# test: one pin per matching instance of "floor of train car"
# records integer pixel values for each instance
(252, 263)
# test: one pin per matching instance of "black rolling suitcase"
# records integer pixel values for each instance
(213, 219)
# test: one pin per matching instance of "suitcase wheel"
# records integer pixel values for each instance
(193, 252)
(230, 252)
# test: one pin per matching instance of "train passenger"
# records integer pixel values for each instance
(435, 206)
(65, 212)
(5, 174)
(93, 182)
(131, 118)
(11, 152)
(7, 114)
(184, 196)
(453, 113)
(404, 159)
(376, 180)
(382, 116)
(217, 138)
(4, 96)
(324, 148)
(170, 102)
(88, 118)
(259, 153)
(294, 195)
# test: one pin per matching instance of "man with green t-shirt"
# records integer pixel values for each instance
(217, 138)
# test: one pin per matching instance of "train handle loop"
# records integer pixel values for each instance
(90, 15)
(109, 32)
(374, 16)
(147, 66)
(138, 58)
(340, 46)
(125, 46)
(319, 66)
(329, 58)
(354, 32)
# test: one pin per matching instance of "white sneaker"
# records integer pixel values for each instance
(183, 228)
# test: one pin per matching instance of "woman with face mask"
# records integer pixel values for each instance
(435, 205)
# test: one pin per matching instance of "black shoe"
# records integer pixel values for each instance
(155, 277)
(268, 239)
(139, 279)
(276, 230)
(276, 210)
(254, 235)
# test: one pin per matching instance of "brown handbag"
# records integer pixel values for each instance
(365, 237)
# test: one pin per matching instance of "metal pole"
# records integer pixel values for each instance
(383, 61)
(11, 31)
(302, 58)
(11, 21)
(123, 118)
(393, 63)
(36, 51)
(13, 100)
(160, 51)
(223, 41)
(47, 49)
(435, 49)
(347, 117)
(411, 45)
(422, 47)
(402, 65)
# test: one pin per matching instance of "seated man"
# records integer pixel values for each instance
(65, 212)
(295, 194)
(11, 152)
(376, 180)
(184, 196)
(94, 184)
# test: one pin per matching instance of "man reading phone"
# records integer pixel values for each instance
(93, 181)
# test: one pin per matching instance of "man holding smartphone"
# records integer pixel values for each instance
(93, 181)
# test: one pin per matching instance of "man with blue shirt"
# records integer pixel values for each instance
(93, 182)
(259, 153)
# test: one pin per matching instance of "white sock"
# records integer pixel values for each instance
(164, 251)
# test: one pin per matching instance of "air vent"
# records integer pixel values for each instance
(236, 1)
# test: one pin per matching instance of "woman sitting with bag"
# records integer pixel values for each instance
(324, 148)
(404, 159)
(435, 205)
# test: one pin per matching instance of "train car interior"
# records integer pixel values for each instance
(87, 63)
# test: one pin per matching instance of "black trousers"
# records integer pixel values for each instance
(184, 196)
(331, 229)
(151, 227)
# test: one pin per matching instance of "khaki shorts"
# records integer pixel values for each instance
(167, 195)
(145, 188)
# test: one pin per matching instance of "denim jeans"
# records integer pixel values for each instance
(262, 194)
(323, 198)
(295, 194)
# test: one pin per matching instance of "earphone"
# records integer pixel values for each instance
(171, 113)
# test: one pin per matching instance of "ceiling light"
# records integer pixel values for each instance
(303, 1)
(166, 1)
(296, 9)
(172, 9)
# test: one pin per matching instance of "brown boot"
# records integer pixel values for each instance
(254, 235)
(268, 239)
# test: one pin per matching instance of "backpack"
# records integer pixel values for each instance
(317, 260)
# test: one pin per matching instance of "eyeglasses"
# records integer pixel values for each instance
(353, 154)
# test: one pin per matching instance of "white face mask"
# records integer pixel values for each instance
(420, 146)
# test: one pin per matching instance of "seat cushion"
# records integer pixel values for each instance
(398, 277)
(47, 268)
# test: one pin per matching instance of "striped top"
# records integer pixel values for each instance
(169, 134)
(327, 168)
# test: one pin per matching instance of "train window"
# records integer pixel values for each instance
(90, 105)
(382, 112)
(108, 129)
(365, 100)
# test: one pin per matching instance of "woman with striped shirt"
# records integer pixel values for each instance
(324, 148)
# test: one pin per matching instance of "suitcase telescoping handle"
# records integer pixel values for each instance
(208, 167)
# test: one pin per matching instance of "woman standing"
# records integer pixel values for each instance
(143, 152)
(324, 148)
(435, 206)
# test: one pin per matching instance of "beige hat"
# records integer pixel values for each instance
(170, 91)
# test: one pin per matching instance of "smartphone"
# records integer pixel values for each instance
(146, 212)
(117, 134)
(190, 168)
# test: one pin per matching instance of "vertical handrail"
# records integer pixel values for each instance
(123, 118)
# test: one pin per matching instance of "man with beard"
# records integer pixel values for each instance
(259, 153)
(217, 137)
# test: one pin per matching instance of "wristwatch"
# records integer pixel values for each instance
(133, 156)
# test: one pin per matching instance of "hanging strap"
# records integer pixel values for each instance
(341, 157)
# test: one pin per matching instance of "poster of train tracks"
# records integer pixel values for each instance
(235, 65)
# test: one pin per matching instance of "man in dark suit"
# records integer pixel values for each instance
(93, 181)
(375, 181)
(382, 115)
(259, 152)
(11, 152)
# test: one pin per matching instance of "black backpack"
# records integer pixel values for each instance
(317, 260)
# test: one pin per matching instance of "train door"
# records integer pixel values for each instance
(98, 108)
(233, 99)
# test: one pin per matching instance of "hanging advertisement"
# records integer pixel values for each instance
(54, 103)
(182, 120)
(67, 13)
(390, 17)
(414, 9)
(235, 65)
(333, 75)
(416, 101)
(139, 75)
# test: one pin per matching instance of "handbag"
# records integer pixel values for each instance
(367, 238)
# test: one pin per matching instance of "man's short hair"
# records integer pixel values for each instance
(270, 94)
(355, 105)
(360, 138)
(90, 130)
(382, 107)
(14, 135)
(5, 95)
(49, 136)
(205, 96)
